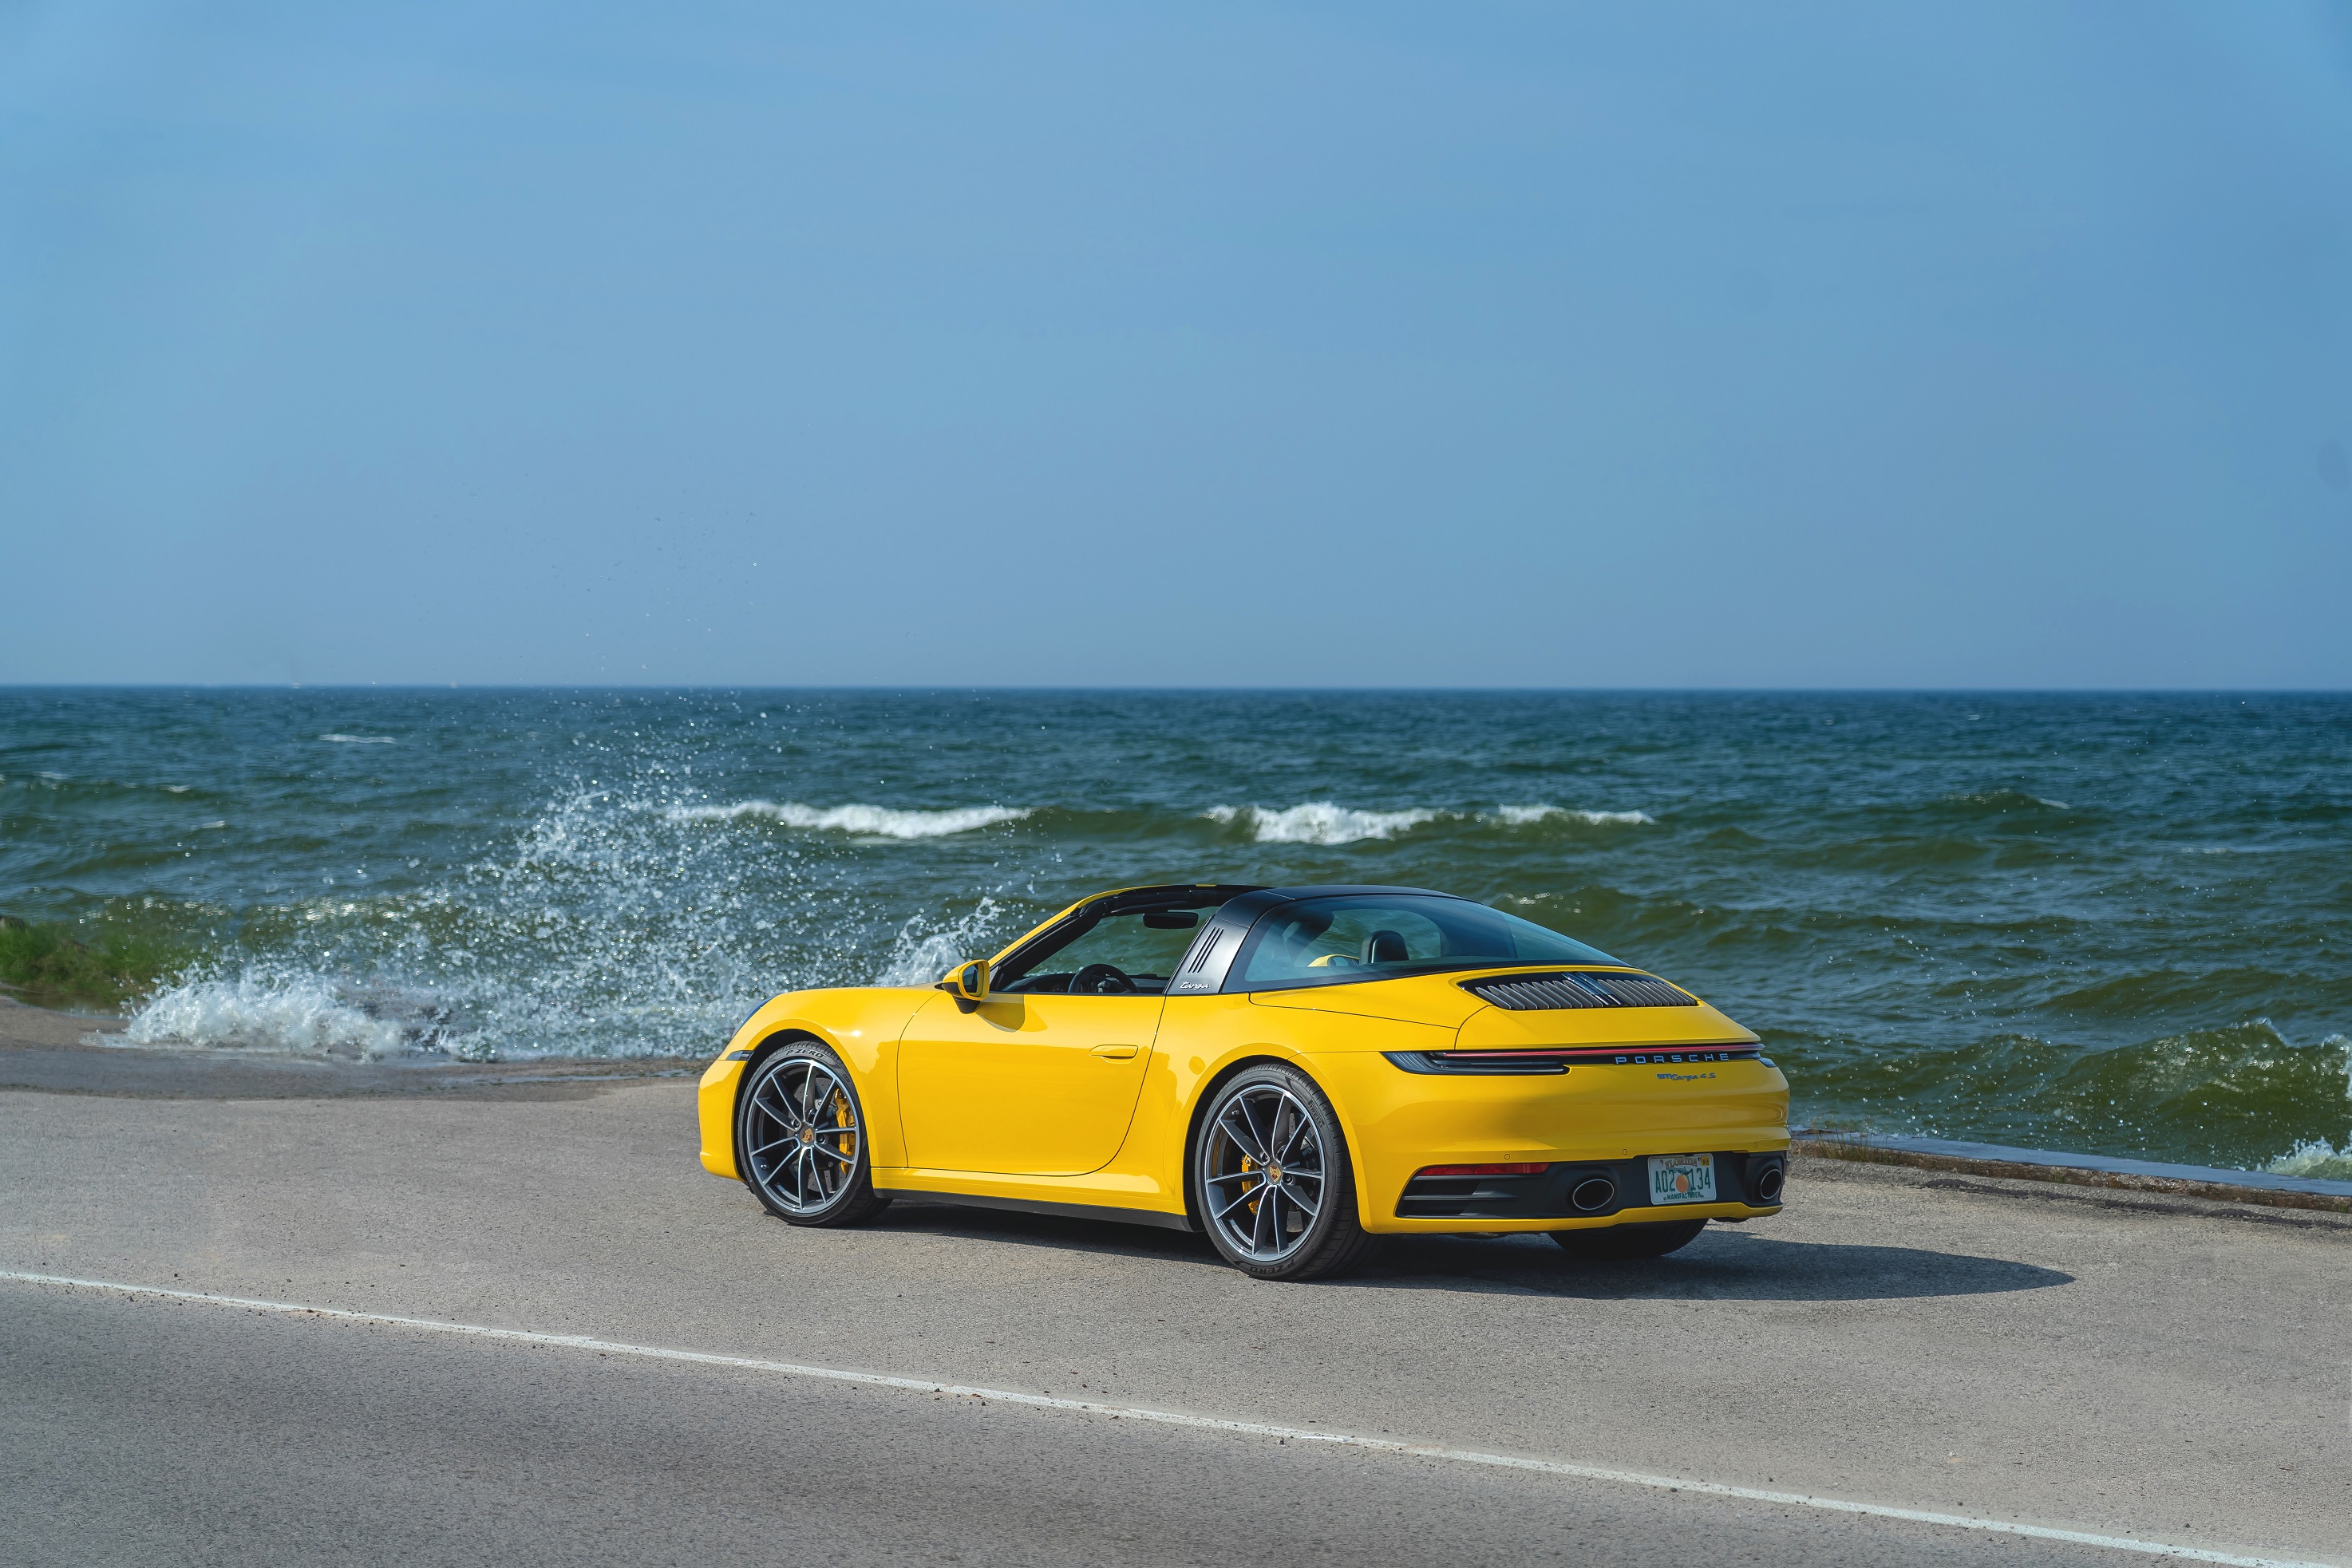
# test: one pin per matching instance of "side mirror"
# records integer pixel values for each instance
(968, 982)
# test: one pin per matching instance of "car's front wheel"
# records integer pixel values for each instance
(1621, 1241)
(1272, 1182)
(799, 1134)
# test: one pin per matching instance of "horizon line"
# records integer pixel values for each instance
(1008, 688)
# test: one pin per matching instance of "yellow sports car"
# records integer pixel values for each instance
(1293, 1071)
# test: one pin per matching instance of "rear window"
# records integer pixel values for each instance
(1371, 937)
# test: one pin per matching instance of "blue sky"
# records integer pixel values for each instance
(1529, 344)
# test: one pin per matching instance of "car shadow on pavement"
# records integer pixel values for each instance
(1000, 1225)
(1721, 1265)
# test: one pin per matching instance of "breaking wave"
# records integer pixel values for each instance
(1521, 816)
(877, 822)
(1319, 822)
(1327, 822)
(258, 1012)
(2222, 1096)
(597, 930)
(2315, 1157)
(2320, 1156)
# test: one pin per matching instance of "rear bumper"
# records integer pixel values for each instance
(1604, 1119)
(1576, 1195)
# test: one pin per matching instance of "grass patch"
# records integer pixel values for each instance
(49, 964)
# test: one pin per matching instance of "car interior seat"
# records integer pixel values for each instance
(1384, 948)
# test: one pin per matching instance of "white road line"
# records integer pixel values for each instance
(1201, 1423)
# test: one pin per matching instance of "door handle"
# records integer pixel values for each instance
(1114, 1052)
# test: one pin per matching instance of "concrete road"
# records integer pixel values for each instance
(144, 1432)
(2141, 1367)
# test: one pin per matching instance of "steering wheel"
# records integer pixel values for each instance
(1101, 980)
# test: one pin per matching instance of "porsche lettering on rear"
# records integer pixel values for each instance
(1293, 1073)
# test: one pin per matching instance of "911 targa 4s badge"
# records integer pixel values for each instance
(1295, 1071)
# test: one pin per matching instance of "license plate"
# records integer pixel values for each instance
(1681, 1178)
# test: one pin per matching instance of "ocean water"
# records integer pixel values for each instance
(2120, 923)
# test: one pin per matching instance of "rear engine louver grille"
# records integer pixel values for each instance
(1547, 993)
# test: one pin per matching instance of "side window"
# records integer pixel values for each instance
(1119, 955)
(1322, 944)
(1370, 937)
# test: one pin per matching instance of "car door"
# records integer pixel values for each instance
(1023, 1086)
(1040, 1077)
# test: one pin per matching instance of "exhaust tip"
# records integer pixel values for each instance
(1769, 1182)
(1592, 1194)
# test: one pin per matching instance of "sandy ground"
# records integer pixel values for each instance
(2167, 1369)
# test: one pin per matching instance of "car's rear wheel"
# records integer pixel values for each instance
(801, 1137)
(1271, 1180)
(1621, 1241)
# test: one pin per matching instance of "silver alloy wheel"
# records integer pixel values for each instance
(1262, 1173)
(801, 1135)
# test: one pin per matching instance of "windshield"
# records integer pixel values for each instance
(1371, 937)
(1105, 954)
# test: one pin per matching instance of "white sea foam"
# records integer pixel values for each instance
(301, 1013)
(1319, 822)
(1327, 822)
(2319, 1156)
(359, 739)
(2315, 1157)
(1521, 816)
(877, 822)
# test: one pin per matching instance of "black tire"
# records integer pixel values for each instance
(1618, 1242)
(801, 1143)
(1249, 1220)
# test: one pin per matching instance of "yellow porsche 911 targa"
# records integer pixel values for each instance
(1293, 1071)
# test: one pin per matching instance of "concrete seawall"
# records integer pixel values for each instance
(2263, 1187)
